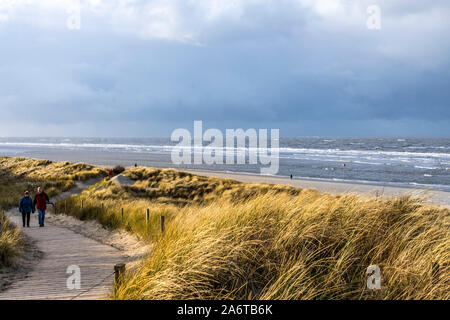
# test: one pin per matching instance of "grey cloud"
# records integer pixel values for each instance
(274, 66)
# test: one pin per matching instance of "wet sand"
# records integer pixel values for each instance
(434, 196)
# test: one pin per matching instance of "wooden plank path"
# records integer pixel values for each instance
(62, 248)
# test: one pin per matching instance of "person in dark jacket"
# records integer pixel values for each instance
(40, 204)
(26, 207)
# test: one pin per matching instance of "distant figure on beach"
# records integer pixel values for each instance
(343, 165)
(110, 173)
(291, 176)
(135, 165)
(40, 203)
(26, 207)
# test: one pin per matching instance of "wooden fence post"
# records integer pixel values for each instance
(122, 214)
(162, 223)
(103, 206)
(1, 227)
(65, 206)
(147, 216)
(119, 270)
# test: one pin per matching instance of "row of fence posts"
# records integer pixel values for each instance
(147, 215)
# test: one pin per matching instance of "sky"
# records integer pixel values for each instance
(139, 68)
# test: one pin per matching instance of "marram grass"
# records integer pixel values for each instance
(230, 240)
(11, 243)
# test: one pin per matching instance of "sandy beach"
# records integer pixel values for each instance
(434, 196)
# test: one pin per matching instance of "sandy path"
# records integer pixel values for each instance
(60, 249)
(64, 242)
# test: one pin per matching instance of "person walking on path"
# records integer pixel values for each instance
(40, 203)
(26, 207)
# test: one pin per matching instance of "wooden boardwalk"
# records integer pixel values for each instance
(62, 248)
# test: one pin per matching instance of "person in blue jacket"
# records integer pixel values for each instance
(26, 207)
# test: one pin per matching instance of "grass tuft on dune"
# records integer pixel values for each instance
(11, 243)
(230, 240)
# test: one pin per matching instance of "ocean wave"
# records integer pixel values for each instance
(67, 144)
(366, 152)
(416, 160)
(427, 168)
(377, 164)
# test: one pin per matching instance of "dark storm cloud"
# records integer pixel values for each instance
(308, 68)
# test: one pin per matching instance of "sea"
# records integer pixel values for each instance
(393, 161)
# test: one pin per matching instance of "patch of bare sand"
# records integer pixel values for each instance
(121, 180)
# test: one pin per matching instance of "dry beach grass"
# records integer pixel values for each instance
(231, 240)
